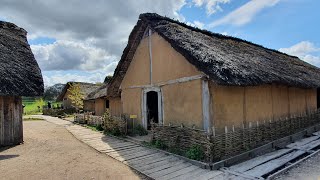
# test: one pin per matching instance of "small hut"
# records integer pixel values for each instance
(20, 75)
(85, 88)
(98, 96)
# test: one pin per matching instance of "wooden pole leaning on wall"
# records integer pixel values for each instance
(213, 131)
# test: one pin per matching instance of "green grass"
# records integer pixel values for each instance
(32, 119)
(31, 105)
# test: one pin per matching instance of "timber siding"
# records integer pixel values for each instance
(11, 130)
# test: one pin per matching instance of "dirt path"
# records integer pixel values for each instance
(51, 152)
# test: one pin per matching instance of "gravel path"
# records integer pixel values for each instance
(307, 170)
(51, 152)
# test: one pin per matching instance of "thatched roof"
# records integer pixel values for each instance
(20, 74)
(86, 89)
(224, 59)
(99, 92)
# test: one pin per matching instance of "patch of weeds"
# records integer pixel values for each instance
(159, 144)
(99, 127)
(95, 128)
(140, 130)
(32, 119)
(195, 153)
(176, 150)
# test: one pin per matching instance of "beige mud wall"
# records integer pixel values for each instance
(232, 105)
(227, 105)
(11, 129)
(167, 65)
(183, 104)
(100, 106)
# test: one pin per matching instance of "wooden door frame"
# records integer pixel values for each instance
(144, 105)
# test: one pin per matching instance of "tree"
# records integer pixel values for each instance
(39, 103)
(76, 96)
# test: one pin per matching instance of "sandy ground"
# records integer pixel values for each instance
(51, 152)
(309, 169)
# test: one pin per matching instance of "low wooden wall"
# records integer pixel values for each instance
(231, 142)
(11, 129)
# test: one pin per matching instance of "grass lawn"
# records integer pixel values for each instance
(31, 106)
(32, 119)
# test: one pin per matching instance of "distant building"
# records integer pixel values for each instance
(98, 98)
(86, 88)
(20, 75)
(170, 72)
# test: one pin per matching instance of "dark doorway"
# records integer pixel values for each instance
(152, 108)
(318, 98)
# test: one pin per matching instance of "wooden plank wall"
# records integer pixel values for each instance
(11, 130)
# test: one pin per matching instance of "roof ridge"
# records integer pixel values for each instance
(148, 17)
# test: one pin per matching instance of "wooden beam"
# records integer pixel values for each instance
(205, 105)
(174, 81)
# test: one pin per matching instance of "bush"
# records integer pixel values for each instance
(114, 126)
(99, 127)
(140, 130)
(195, 152)
(159, 144)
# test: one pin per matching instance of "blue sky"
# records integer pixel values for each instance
(75, 45)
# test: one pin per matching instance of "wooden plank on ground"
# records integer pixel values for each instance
(268, 167)
(211, 175)
(147, 162)
(180, 172)
(310, 145)
(113, 149)
(302, 142)
(144, 158)
(139, 154)
(316, 133)
(244, 166)
(108, 148)
(165, 166)
(127, 151)
(192, 174)
(159, 163)
(169, 170)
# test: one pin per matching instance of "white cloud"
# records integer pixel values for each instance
(90, 36)
(59, 78)
(67, 55)
(245, 13)
(197, 24)
(212, 6)
(305, 50)
(301, 49)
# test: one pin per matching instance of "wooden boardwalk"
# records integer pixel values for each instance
(159, 165)
(151, 162)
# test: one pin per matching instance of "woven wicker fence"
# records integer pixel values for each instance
(233, 141)
(88, 118)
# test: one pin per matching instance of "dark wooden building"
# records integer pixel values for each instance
(20, 75)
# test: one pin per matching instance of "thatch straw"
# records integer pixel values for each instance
(226, 60)
(20, 74)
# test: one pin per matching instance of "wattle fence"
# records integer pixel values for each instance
(88, 118)
(233, 141)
